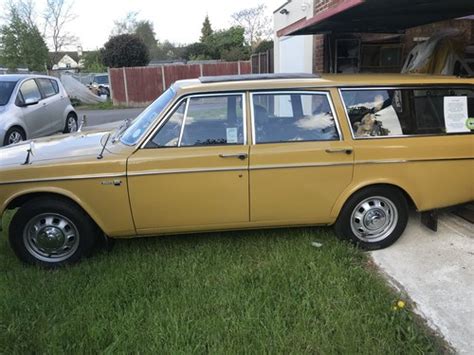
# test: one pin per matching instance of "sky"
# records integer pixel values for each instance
(178, 21)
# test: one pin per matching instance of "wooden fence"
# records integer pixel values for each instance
(138, 86)
(262, 63)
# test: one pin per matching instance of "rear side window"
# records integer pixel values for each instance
(293, 117)
(47, 87)
(55, 86)
(406, 112)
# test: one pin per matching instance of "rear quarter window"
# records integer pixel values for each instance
(406, 112)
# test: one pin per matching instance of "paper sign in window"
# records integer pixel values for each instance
(455, 114)
(232, 135)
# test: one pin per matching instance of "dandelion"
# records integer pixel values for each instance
(401, 304)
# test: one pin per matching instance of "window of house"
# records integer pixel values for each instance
(203, 121)
(290, 117)
(400, 112)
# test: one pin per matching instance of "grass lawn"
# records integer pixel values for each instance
(241, 292)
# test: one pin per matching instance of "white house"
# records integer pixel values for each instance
(292, 54)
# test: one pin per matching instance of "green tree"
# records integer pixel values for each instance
(22, 44)
(126, 50)
(145, 31)
(224, 42)
(93, 62)
(206, 30)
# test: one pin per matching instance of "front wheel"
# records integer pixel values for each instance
(373, 218)
(14, 135)
(51, 232)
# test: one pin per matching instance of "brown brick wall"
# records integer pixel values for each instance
(322, 5)
(319, 65)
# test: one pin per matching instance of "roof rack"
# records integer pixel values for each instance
(249, 77)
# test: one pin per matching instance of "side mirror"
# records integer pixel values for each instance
(30, 102)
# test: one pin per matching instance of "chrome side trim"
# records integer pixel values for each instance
(184, 171)
(236, 168)
(296, 166)
(398, 161)
(67, 178)
(289, 92)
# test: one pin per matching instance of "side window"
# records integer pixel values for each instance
(399, 112)
(55, 86)
(288, 117)
(213, 120)
(168, 135)
(47, 87)
(207, 120)
(29, 92)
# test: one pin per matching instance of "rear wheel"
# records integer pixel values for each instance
(52, 232)
(373, 218)
(71, 123)
(14, 135)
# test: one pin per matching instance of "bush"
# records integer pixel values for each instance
(126, 50)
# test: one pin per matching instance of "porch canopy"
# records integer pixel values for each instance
(379, 16)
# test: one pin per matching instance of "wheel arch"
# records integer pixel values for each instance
(19, 199)
(348, 193)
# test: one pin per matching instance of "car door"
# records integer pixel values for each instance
(299, 163)
(192, 174)
(53, 103)
(34, 115)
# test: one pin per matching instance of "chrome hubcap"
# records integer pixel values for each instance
(71, 124)
(51, 237)
(14, 137)
(374, 219)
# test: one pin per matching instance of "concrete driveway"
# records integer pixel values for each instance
(436, 271)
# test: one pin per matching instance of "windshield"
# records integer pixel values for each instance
(6, 89)
(102, 79)
(133, 133)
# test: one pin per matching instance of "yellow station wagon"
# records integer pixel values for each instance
(222, 153)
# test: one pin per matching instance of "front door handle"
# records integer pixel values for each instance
(241, 156)
(339, 150)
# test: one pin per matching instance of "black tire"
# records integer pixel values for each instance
(13, 130)
(67, 126)
(374, 204)
(71, 221)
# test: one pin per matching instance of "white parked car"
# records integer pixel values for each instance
(33, 106)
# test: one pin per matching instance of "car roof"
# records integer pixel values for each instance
(296, 81)
(17, 77)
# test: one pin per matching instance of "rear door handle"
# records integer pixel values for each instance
(241, 156)
(339, 150)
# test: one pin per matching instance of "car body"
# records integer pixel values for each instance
(33, 106)
(248, 152)
(101, 84)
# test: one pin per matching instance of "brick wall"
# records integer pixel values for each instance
(319, 65)
(322, 5)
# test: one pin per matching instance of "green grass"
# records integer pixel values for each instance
(241, 292)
